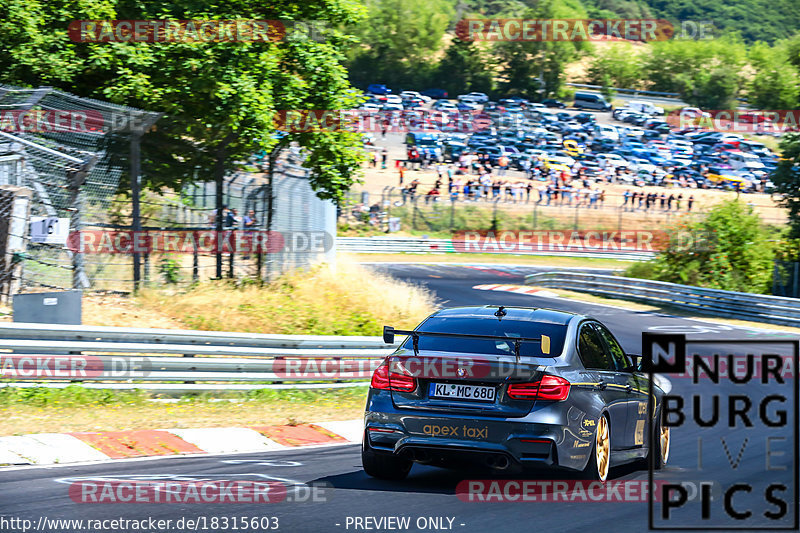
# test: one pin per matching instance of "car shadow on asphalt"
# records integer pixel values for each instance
(431, 480)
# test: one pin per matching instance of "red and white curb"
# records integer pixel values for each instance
(519, 289)
(81, 447)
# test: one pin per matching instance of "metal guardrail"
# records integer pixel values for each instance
(626, 91)
(175, 360)
(395, 245)
(728, 304)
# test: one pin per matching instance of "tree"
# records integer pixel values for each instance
(619, 63)
(728, 249)
(398, 39)
(714, 89)
(218, 99)
(464, 68)
(535, 69)
(787, 180)
(704, 73)
(775, 83)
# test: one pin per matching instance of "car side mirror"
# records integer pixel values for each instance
(637, 362)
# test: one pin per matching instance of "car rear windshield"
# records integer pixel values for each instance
(494, 327)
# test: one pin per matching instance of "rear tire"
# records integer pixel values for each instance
(659, 445)
(383, 465)
(600, 458)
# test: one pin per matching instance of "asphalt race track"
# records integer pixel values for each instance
(343, 492)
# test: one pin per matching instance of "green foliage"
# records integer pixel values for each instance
(218, 99)
(705, 73)
(398, 38)
(787, 180)
(728, 249)
(765, 20)
(170, 269)
(536, 69)
(775, 83)
(616, 66)
(70, 396)
(464, 68)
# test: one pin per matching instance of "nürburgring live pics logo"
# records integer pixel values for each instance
(746, 420)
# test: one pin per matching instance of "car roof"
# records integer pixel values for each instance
(531, 314)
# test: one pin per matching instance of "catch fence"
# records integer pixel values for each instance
(75, 177)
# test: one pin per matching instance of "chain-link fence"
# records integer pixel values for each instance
(62, 148)
(70, 152)
(524, 209)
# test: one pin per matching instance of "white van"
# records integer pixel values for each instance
(640, 106)
(745, 161)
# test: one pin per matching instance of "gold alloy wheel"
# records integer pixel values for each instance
(602, 448)
(664, 444)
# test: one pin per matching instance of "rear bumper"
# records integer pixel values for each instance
(522, 444)
(545, 437)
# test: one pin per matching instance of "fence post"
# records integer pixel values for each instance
(494, 214)
(14, 219)
(136, 220)
(195, 262)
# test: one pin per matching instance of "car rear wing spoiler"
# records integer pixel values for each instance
(389, 333)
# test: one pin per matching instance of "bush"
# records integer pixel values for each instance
(729, 249)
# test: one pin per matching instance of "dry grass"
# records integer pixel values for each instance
(345, 299)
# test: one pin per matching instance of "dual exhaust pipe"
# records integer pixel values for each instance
(498, 462)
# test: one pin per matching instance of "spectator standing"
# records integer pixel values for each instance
(502, 162)
(670, 199)
(678, 202)
(690, 202)
(230, 219)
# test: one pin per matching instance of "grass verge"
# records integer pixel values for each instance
(43, 410)
(345, 299)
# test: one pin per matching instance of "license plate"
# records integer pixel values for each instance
(462, 392)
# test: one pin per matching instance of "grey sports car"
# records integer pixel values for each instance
(508, 388)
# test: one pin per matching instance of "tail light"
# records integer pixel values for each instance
(548, 388)
(383, 379)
